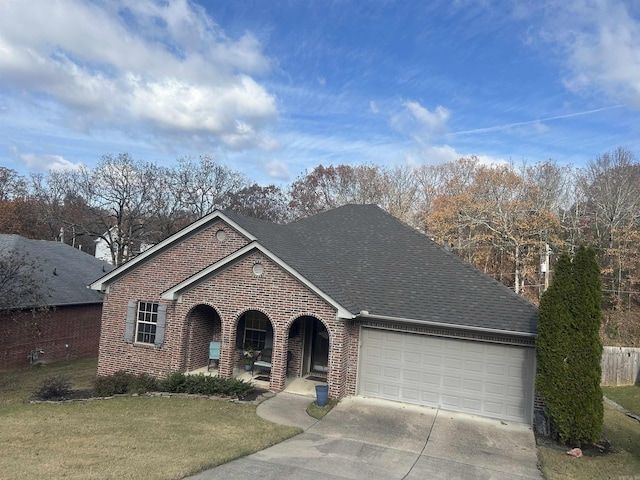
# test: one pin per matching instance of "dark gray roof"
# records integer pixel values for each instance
(366, 259)
(74, 269)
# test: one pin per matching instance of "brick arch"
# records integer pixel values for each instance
(300, 343)
(204, 325)
(236, 320)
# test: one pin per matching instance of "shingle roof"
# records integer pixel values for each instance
(74, 269)
(366, 259)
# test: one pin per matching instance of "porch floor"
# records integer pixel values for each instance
(295, 385)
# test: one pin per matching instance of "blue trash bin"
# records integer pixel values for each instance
(322, 395)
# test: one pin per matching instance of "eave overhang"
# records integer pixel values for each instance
(365, 315)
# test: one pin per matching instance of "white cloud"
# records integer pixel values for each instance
(419, 121)
(278, 169)
(600, 44)
(137, 66)
(373, 107)
(44, 162)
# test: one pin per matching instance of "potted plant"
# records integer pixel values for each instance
(249, 355)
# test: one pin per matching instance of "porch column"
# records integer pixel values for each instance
(278, 361)
(227, 351)
(337, 374)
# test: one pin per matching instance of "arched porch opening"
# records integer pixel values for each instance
(309, 347)
(205, 326)
(254, 333)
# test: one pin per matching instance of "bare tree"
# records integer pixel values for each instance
(610, 185)
(264, 203)
(204, 185)
(20, 281)
(119, 191)
(329, 187)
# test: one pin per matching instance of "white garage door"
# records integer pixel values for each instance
(482, 378)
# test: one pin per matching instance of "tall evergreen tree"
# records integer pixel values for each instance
(568, 349)
(587, 347)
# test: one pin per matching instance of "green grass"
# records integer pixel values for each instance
(623, 433)
(628, 397)
(313, 410)
(18, 385)
(128, 437)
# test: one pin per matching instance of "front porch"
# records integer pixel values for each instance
(305, 386)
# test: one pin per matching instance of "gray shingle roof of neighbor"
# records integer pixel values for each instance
(65, 271)
(368, 260)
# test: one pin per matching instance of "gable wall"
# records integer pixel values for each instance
(147, 282)
(275, 293)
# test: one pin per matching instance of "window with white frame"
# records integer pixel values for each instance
(255, 330)
(147, 321)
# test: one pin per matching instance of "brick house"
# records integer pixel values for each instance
(352, 294)
(66, 324)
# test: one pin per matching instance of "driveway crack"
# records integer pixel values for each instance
(423, 447)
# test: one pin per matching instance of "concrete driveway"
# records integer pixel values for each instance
(373, 439)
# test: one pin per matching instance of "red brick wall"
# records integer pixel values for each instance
(63, 333)
(231, 293)
(147, 282)
(281, 298)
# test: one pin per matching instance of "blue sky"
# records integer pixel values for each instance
(274, 88)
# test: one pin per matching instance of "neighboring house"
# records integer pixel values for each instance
(352, 295)
(103, 250)
(69, 324)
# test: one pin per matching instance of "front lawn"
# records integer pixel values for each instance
(627, 397)
(129, 437)
(622, 431)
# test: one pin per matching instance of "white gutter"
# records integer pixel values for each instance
(366, 315)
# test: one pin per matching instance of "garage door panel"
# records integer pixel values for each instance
(451, 402)
(472, 404)
(390, 373)
(390, 391)
(496, 408)
(429, 360)
(452, 362)
(431, 379)
(475, 386)
(411, 376)
(469, 376)
(495, 388)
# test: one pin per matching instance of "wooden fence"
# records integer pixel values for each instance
(620, 366)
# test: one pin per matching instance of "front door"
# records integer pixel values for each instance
(319, 348)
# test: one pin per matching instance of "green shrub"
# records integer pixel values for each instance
(204, 385)
(174, 382)
(123, 382)
(142, 383)
(568, 349)
(57, 386)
